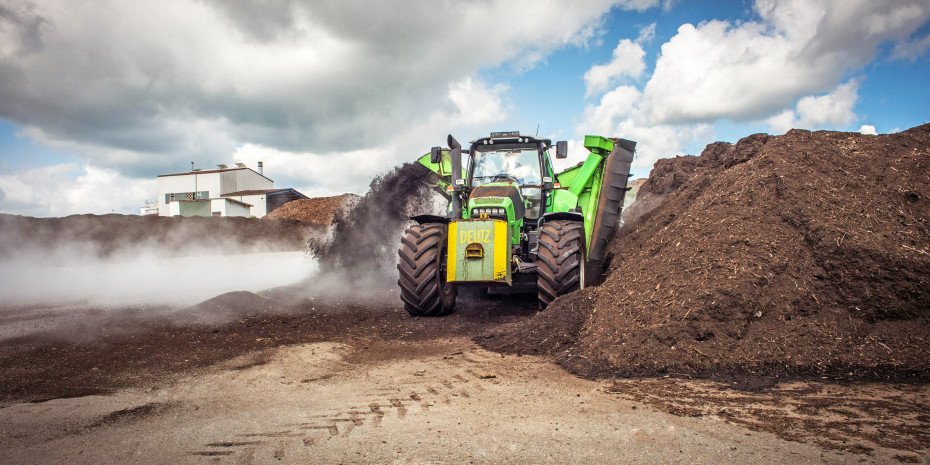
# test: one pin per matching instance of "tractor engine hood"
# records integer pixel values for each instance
(485, 193)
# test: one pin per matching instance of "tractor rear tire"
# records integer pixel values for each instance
(560, 261)
(422, 271)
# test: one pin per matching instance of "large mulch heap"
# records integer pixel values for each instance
(318, 210)
(802, 255)
(107, 234)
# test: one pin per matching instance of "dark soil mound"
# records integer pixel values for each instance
(318, 210)
(223, 308)
(104, 235)
(806, 254)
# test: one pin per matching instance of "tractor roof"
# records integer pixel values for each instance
(510, 137)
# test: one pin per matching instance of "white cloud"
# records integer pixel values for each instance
(615, 116)
(646, 34)
(474, 106)
(313, 174)
(661, 141)
(754, 69)
(177, 79)
(834, 109)
(782, 122)
(68, 188)
(911, 50)
(628, 61)
(640, 5)
(776, 68)
(667, 5)
(613, 107)
(148, 87)
(867, 129)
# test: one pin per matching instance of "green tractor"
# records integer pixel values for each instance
(513, 219)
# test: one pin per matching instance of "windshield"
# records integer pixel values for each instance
(517, 164)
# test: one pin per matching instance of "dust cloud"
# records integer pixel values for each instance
(122, 259)
(75, 293)
(359, 257)
(77, 276)
(146, 275)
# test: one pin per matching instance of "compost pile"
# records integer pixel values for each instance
(800, 255)
(318, 210)
(104, 235)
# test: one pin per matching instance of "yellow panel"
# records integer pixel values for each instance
(501, 249)
(452, 251)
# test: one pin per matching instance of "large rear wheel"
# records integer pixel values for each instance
(560, 261)
(422, 271)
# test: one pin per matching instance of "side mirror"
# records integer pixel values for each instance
(435, 154)
(561, 149)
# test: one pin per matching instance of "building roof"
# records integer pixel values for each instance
(212, 171)
(262, 191)
(236, 201)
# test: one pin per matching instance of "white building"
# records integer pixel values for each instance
(150, 208)
(236, 191)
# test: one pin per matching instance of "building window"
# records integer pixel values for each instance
(201, 195)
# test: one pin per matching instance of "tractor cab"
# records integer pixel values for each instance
(509, 167)
(507, 177)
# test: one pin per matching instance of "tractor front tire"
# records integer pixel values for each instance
(422, 273)
(560, 261)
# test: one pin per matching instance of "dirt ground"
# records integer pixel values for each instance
(322, 380)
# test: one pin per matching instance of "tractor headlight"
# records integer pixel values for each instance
(488, 211)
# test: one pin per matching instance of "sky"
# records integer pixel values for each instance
(97, 98)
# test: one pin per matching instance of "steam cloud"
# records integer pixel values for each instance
(78, 276)
(116, 259)
(144, 276)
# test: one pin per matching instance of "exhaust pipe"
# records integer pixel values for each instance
(458, 184)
